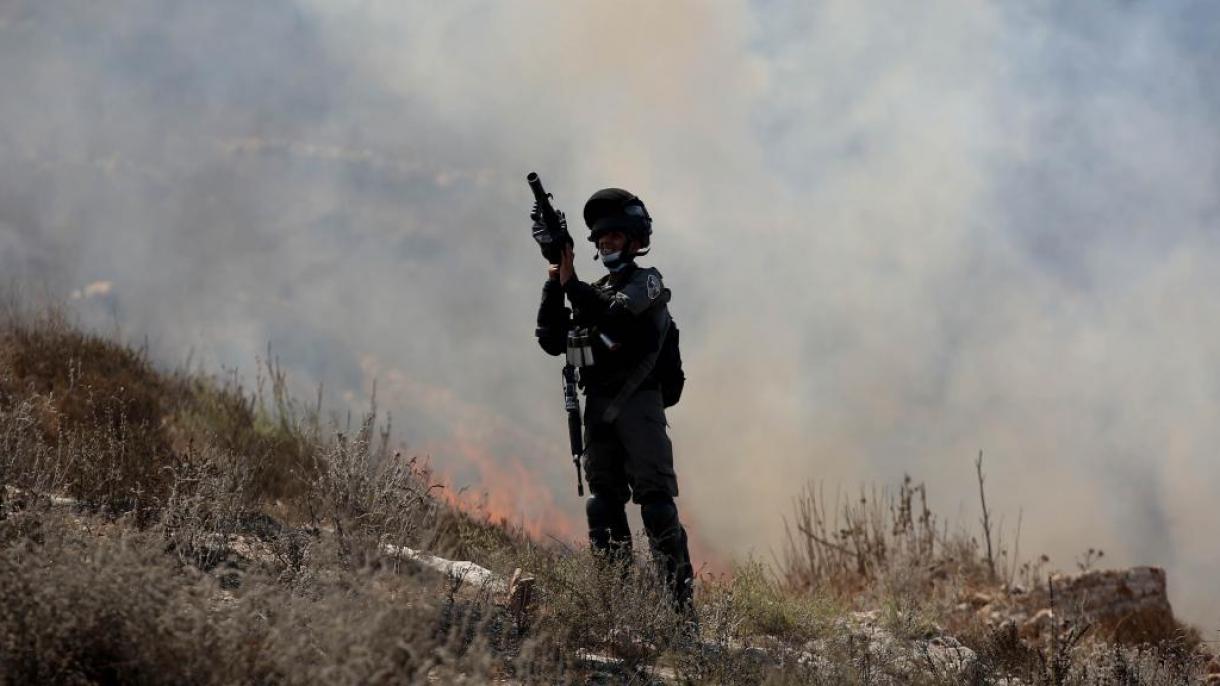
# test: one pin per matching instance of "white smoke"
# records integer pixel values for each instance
(896, 233)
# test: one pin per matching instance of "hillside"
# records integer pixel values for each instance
(165, 526)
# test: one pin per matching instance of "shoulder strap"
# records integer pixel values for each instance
(641, 372)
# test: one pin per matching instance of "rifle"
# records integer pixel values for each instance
(551, 233)
(572, 403)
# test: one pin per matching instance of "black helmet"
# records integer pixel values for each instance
(614, 209)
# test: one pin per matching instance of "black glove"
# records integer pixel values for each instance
(549, 240)
(541, 235)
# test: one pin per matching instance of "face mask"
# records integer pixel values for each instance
(615, 261)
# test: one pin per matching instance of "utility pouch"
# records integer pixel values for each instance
(580, 348)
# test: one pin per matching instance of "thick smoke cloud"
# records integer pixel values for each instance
(896, 233)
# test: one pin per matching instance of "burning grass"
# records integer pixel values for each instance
(167, 527)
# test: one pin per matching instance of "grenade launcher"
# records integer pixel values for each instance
(550, 226)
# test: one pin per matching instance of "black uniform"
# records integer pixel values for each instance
(628, 455)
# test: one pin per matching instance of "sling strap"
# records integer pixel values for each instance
(639, 374)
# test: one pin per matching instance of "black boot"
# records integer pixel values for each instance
(667, 539)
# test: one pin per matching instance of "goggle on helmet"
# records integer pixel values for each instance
(614, 209)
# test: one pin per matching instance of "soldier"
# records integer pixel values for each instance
(624, 316)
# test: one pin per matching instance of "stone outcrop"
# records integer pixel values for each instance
(887, 658)
(1123, 605)
(1128, 605)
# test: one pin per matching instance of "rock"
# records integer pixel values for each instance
(947, 656)
(1112, 592)
(904, 659)
(990, 616)
(1038, 625)
(621, 670)
(1129, 606)
(520, 595)
(979, 599)
(459, 570)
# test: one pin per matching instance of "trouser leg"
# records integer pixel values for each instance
(609, 485)
(667, 539)
(641, 430)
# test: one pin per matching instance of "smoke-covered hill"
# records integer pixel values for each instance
(173, 527)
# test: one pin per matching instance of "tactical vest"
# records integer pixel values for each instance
(617, 374)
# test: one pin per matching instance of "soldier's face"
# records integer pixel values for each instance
(611, 242)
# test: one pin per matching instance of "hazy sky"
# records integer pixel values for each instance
(896, 233)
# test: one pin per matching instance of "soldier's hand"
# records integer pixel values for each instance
(567, 270)
(552, 272)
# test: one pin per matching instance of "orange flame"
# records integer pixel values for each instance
(505, 491)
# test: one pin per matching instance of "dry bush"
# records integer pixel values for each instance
(1075, 663)
(761, 604)
(83, 608)
(96, 408)
(210, 501)
(202, 463)
(858, 541)
(497, 544)
(278, 441)
(1165, 663)
(592, 602)
(109, 606)
(370, 496)
(754, 629)
(98, 422)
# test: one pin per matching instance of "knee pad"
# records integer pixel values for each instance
(603, 512)
(660, 516)
(607, 521)
(608, 528)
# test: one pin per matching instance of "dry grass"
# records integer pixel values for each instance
(170, 527)
(885, 550)
(87, 607)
